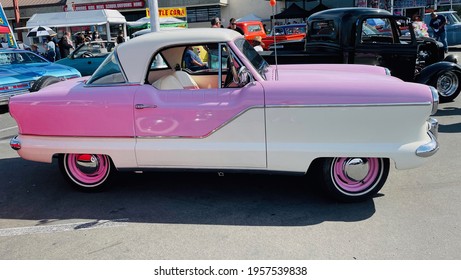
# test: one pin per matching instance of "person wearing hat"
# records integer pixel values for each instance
(258, 44)
(34, 49)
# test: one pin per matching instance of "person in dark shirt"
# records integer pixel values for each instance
(120, 38)
(233, 26)
(437, 24)
(65, 45)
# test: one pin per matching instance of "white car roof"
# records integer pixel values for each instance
(136, 54)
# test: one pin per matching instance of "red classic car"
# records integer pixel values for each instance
(145, 109)
(251, 29)
(284, 33)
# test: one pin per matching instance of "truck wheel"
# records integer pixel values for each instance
(354, 179)
(44, 82)
(448, 85)
(86, 172)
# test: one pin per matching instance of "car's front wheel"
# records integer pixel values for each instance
(448, 85)
(86, 172)
(354, 179)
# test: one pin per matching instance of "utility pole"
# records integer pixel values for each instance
(17, 17)
(154, 20)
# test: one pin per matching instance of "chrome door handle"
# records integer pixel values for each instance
(144, 106)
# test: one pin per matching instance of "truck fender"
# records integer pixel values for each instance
(451, 58)
(429, 73)
(445, 77)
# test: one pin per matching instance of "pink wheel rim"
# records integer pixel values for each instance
(346, 183)
(93, 175)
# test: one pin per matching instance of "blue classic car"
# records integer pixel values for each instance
(87, 57)
(453, 26)
(19, 69)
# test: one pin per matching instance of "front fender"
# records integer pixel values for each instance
(429, 73)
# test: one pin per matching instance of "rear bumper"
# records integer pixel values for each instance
(5, 97)
(432, 146)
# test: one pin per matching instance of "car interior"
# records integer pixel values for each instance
(168, 69)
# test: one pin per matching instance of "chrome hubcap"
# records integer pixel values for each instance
(447, 84)
(356, 169)
(87, 164)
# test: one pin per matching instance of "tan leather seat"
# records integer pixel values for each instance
(167, 82)
(186, 80)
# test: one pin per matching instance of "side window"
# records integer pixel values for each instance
(324, 31)
(202, 58)
(377, 31)
(279, 31)
(109, 72)
(158, 63)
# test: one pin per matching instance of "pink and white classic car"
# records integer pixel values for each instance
(156, 102)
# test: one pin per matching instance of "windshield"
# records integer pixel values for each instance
(109, 72)
(7, 58)
(252, 55)
(455, 18)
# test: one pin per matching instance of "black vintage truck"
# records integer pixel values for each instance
(373, 37)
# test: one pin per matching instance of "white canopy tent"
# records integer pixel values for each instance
(79, 18)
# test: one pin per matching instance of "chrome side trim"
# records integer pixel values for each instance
(351, 105)
(432, 147)
(284, 106)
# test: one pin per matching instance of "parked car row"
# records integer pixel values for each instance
(373, 37)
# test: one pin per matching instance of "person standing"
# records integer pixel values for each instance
(56, 47)
(215, 23)
(65, 45)
(437, 24)
(233, 26)
(120, 38)
(258, 44)
(50, 49)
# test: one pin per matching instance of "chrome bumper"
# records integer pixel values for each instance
(432, 147)
(15, 144)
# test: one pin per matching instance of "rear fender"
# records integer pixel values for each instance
(429, 73)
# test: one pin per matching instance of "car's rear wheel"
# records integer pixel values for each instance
(354, 179)
(44, 82)
(448, 85)
(86, 172)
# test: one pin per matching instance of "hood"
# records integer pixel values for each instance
(340, 84)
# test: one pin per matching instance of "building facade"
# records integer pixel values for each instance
(200, 12)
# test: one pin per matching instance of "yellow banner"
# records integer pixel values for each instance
(169, 12)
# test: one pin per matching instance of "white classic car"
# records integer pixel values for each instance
(150, 106)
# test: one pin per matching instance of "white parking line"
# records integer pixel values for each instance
(97, 224)
(8, 128)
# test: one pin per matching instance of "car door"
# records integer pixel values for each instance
(378, 43)
(453, 28)
(88, 58)
(200, 128)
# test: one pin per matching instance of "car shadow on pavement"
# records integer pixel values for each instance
(37, 191)
(447, 112)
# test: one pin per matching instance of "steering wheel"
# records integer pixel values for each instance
(232, 75)
(86, 54)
